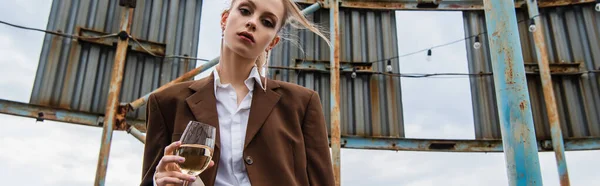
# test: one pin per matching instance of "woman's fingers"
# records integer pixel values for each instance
(172, 176)
(166, 160)
(211, 164)
(169, 150)
(168, 180)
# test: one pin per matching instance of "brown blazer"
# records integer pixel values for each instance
(286, 138)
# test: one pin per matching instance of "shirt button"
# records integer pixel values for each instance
(249, 160)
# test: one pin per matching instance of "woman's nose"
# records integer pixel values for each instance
(251, 25)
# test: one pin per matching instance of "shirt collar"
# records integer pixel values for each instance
(254, 75)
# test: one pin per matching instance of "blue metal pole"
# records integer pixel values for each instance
(542, 58)
(335, 89)
(312, 8)
(514, 106)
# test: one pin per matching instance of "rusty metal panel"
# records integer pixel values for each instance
(371, 104)
(74, 74)
(572, 34)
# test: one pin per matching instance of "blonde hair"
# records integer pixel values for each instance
(293, 16)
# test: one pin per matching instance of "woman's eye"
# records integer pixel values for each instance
(244, 11)
(268, 23)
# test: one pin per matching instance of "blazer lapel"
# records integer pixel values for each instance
(262, 104)
(203, 104)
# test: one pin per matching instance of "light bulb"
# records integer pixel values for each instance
(428, 55)
(532, 26)
(389, 68)
(353, 75)
(477, 45)
(597, 7)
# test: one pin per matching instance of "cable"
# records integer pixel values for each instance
(415, 75)
(57, 33)
(167, 56)
(99, 37)
(441, 45)
(406, 75)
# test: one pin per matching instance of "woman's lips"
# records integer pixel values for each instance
(247, 39)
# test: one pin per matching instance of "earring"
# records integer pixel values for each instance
(265, 66)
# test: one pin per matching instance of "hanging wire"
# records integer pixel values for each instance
(99, 37)
(57, 33)
(438, 46)
(407, 75)
(165, 56)
(415, 75)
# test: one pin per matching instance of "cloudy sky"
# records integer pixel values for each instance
(53, 153)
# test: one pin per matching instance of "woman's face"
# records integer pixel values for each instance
(251, 26)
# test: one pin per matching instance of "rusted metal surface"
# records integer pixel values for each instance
(46, 113)
(556, 68)
(371, 104)
(550, 101)
(441, 5)
(440, 145)
(43, 113)
(74, 74)
(335, 134)
(153, 47)
(516, 120)
(121, 117)
(112, 107)
(573, 50)
(188, 75)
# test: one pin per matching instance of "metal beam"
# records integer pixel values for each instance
(137, 134)
(89, 34)
(334, 21)
(512, 96)
(188, 75)
(42, 113)
(351, 142)
(547, 86)
(437, 145)
(114, 91)
(442, 5)
(312, 8)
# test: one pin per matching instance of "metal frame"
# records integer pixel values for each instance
(516, 120)
(437, 5)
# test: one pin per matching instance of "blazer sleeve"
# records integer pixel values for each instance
(156, 140)
(319, 165)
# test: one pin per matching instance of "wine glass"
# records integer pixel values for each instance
(197, 144)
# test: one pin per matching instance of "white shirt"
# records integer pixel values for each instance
(233, 121)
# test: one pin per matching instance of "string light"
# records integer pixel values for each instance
(389, 68)
(532, 26)
(477, 44)
(428, 55)
(353, 73)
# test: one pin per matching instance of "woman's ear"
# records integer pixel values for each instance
(224, 17)
(274, 42)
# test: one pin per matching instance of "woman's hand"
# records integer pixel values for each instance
(167, 170)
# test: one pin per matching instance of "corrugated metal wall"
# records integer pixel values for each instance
(371, 105)
(573, 36)
(76, 75)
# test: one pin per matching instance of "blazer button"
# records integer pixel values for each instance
(249, 160)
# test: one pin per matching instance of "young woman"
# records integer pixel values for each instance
(268, 132)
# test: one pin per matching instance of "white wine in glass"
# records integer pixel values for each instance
(197, 144)
(197, 157)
